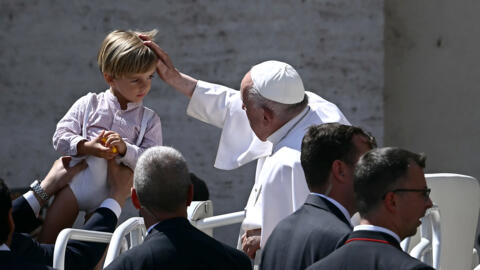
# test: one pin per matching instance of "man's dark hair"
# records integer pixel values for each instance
(200, 189)
(5, 206)
(380, 171)
(325, 143)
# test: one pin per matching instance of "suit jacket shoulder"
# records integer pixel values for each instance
(306, 236)
(176, 244)
(369, 250)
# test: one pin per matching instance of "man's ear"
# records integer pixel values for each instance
(108, 78)
(135, 200)
(390, 202)
(339, 170)
(267, 115)
(190, 195)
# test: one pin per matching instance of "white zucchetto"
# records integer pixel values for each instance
(278, 81)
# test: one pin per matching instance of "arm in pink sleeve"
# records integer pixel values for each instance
(69, 129)
(152, 137)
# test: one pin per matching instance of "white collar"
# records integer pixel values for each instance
(151, 227)
(114, 100)
(337, 204)
(4, 247)
(283, 131)
(368, 227)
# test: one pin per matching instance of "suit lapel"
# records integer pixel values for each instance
(324, 204)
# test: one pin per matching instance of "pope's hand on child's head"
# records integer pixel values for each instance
(113, 140)
(165, 68)
(96, 148)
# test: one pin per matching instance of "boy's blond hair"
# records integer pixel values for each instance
(123, 53)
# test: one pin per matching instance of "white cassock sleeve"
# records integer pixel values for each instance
(222, 107)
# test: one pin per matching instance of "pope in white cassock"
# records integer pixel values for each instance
(264, 121)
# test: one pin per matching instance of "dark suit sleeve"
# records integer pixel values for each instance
(85, 255)
(23, 216)
(79, 255)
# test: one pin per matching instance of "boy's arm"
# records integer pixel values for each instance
(152, 137)
(69, 129)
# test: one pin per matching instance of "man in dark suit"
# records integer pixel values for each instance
(391, 195)
(162, 191)
(20, 251)
(329, 152)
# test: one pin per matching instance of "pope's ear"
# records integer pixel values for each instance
(267, 115)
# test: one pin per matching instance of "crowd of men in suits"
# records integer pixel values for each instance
(387, 187)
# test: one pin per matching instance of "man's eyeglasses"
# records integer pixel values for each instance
(425, 191)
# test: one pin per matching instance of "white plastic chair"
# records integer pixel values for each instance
(199, 214)
(134, 228)
(75, 234)
(428, 249)
(458, 200)
(198, 210)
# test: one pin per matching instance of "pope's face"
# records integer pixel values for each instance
(255, 114)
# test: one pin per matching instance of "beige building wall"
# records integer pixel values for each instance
(432, 78)
(48, 60)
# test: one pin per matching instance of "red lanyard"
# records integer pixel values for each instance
(368, 240)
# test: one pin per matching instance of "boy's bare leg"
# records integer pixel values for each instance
(60, 215)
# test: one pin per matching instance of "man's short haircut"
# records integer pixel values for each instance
(380, 171)
(123, 53)
(162, 179)
(284, 111)
(5, 206)
(325, 143)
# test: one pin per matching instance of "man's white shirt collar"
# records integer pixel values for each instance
(367, 227)
(151, 227)
(4, 247)
(107, 203)
(337, 204)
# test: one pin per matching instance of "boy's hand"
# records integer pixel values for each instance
(95, 148)
(113, 140)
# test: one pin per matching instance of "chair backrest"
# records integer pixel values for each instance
(458, 199)
(134, 228)
(199, 210)
(132, 232)
(75, 234)
(428, 243)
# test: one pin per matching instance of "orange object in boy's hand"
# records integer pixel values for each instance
(114, 149)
